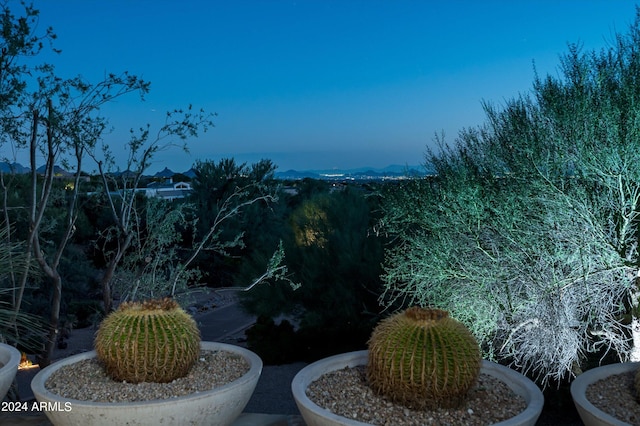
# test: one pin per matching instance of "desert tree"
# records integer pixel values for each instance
(227, 186)
(227, 195)
(162, 258)
(149, 268)
(121, 188)
(529, 231)
(334, 255)
(57, 121)
(18, 41)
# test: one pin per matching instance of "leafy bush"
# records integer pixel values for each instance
(529, 232)
(333, 254)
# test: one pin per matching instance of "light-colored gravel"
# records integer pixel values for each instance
(87, 381)
(615, 396)
(346, 393)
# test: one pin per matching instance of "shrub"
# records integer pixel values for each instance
(529, 231)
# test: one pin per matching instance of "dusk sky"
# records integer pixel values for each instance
(321, 84)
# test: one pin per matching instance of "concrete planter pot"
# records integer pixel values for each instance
(9, 360)
(589, 414)
(219, 406)
(317, 416)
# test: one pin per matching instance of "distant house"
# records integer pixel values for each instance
(168, 190)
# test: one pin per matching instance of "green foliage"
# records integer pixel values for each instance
(155, 245)
(216, 182)
(16, 327)
(59, 118)
(234, 203)
(336, 258)
(334, 255)
(423, 359)
(19, 39)
(125, 207)
(152, 341)
(529, 232)
(308, 187)
(78, 272)
(154, 266)
(266, 233)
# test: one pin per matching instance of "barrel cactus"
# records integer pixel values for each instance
(151, 341)
(423, 359)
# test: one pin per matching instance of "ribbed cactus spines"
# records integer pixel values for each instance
(151, 341)
(423, 359)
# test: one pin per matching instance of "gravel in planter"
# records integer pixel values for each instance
(346, 393)
(87, 381)
(615, 396)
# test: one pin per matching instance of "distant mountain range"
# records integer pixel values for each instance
(13, 168)
(18, 168)
(362, 173)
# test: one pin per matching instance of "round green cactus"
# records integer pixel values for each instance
(152, 341)
(423, 359)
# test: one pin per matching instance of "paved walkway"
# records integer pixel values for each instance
(226, 323)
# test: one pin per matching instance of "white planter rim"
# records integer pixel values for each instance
(516, 381)
(37, 384)
(583, 381)
(13, 361)
(10, 360)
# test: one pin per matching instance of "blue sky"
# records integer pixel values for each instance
(321, 84)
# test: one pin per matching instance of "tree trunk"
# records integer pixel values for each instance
(54, 320)
(107, 297)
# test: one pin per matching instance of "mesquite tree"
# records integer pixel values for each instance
(529, 230)
(167, 241)
(179, 126)
(57, 121)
